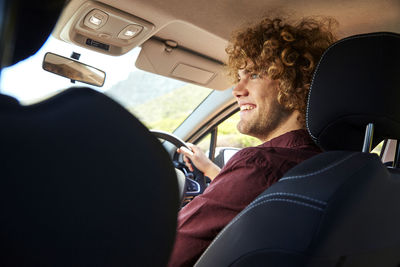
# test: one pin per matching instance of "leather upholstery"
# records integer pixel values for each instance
(355, 84)
(315, 216)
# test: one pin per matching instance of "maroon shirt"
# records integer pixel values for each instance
(246, 175)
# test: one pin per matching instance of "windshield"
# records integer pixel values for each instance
(159, 102)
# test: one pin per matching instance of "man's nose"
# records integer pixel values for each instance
(240, 89)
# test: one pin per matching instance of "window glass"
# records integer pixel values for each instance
(378, 148)
(204, 144)
(159, 102)
(229, 136)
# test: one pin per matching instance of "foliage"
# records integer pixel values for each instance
(228, 135)
(163, 113)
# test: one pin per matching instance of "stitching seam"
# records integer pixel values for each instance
(319, 171)
(290, 195)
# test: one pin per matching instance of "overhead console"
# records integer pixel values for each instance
(169, 46)
(105, 29)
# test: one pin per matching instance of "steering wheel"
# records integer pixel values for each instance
(191, 183)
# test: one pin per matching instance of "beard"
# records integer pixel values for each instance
(262, 124)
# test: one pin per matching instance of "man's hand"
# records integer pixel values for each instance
(199, 159)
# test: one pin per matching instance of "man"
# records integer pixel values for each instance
(272, 63)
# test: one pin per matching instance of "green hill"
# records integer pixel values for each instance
(164, 113)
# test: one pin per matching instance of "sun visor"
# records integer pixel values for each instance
(177, 63)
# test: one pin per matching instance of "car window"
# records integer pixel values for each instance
(204, 144)
(159, 102)
(227, 136)
(378, 149)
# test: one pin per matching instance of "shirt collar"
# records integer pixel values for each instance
(290, 140)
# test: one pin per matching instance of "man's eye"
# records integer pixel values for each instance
(254, 76)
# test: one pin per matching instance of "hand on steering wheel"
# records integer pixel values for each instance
(194, 155)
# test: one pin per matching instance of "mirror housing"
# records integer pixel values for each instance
(224, 154)
(73, 69)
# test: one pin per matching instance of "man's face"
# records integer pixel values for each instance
(260, 112)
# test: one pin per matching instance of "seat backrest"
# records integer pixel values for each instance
(319, 214)
(339, 208)
(78, 185)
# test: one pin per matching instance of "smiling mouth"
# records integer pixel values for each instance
(246, 107)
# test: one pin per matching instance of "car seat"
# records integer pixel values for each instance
(79, 186)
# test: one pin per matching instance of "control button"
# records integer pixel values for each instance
(95, 19)
(130, 31)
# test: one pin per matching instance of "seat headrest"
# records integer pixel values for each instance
(356, 82)
(83, 182)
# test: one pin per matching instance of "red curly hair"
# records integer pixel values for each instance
(284, 52)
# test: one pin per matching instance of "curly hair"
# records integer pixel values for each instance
(284, 52)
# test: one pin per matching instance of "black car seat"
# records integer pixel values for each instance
(342, 207)
(82, 182)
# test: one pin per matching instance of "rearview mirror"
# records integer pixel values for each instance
(73, 69)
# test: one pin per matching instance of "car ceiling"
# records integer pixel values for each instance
(204, 26)
(215, 20)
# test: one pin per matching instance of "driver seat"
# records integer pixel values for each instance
(341, 207)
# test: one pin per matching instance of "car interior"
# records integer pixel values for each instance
(86, 183)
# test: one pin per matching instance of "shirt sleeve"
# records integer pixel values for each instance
(244, 177)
